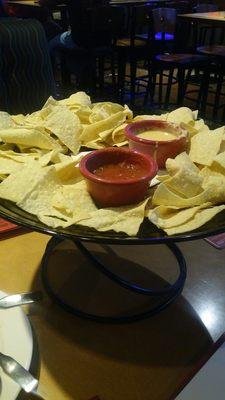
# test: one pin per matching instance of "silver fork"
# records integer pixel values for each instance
(14, 300)
(20, 299)
(19, 374)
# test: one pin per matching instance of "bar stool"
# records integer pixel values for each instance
(163, 29)
(206, 32)
(164, 24)
(205, 7)
(181, 64)
(181, 6)
(133, 48)
(172, 65)
(97, 37)
(217, 67)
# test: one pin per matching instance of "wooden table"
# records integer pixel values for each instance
(61, 8)
(145, 360)
(29, 3)
(137, 2)
(214, 20)
(34, 3)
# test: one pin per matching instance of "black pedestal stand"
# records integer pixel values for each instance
(166, 295)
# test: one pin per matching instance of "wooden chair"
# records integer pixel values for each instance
(132, 48)
(205, 7)
(26, 78)
(216, 53)
(163, 28)
(206, 32)
(182, 6)
(96, 44)
(172, 67)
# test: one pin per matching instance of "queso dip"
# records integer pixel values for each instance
(157, 135)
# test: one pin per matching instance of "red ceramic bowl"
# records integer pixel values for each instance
(114, 188)
(159, 150)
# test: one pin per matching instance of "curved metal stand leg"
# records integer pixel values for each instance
(167, 294)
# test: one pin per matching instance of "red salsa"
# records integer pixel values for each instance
(123, 170)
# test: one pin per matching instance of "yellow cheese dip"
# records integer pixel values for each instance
(157, 135)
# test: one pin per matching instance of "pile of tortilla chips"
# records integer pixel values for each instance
(39, 167)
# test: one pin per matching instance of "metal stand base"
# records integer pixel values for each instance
(166, 295)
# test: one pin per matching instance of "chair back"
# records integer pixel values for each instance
(181, 6)
(164, 22)
(140, 23)
(26, 77)
(97, 26)
(205, 8)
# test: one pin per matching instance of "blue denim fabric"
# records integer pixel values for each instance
(62, 40)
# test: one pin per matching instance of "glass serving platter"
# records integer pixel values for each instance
(148, 233)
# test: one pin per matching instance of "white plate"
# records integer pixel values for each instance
(16, 341)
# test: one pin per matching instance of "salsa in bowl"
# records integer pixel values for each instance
(117, 176)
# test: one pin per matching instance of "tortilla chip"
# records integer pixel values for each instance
(29, 137)
(38, 201)
(118, 134)
(18, 119)
(166, 197)
(91, 132)
(83, 113)
(219, 160)
(162, 178)
(125, 219)
(60, 157)
(66, 126)
(8, 166)
(200, 126)
(49, 157)
(19, 183)
(2, 177)
(167, 217)
(50, 102)
(215, 185)
(150, 117)
(181, 115)
(57, 204)
(68, 205)
(96, 144)
(68, 172)
(19, 157)
(185, 177)
(74, 200)
(200, 218)
(35, 119)
(6, 120)
(6, 147)
(77, 98)
(181, 160)
(205, 146)
(104, 110)
(55, 221)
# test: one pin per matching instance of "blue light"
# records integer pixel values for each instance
(164, 36)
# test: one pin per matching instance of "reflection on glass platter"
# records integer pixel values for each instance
(148, 233)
